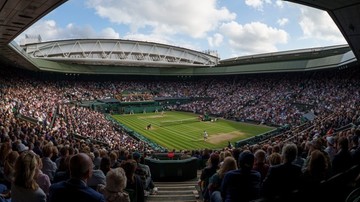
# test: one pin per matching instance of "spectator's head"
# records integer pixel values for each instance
(96, 153)
(129, 167)
(9, 164)
(116, 180)
(25, 170)
(48, 150)
(330, 140)
(317, 163)
(39, 162)
(136, 156)
(214, 159)
(289, 152)
(229, 163)
(227, 153)
(64, 164)
(274, 159)
(21, 147)
(113, 157)
(105, 164)
(64, 151)
(246, 160)
(5, 148)
(316, 144)
(260, 156)
(222, 156)
(81, 166)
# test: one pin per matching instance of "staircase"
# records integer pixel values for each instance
(176, 191)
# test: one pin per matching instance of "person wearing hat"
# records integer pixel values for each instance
(242, 184)
(330, 149)
(21, 147)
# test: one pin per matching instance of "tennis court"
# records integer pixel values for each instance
(182, 130)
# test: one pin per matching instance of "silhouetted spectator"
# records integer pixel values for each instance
(75, 189)
(242, 184)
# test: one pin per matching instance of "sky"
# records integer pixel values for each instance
(231, 27)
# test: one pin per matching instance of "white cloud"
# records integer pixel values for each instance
(254, 37)
(257, 4)
(109, 33)
(189, 17)
(161, 39)
(49, 30)
(319, 25)
(216, 40)
(149, 38)
(282, 21)
(280, 3)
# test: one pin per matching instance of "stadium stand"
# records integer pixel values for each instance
(85, 130)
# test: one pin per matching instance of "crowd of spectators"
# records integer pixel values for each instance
(48, 145)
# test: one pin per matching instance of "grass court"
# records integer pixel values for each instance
(182, 130)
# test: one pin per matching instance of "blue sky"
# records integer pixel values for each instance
(231, 27)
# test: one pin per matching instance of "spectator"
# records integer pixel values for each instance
(134, 185)
(207, 172)
(282, 179)
(260, 164)
(5, 149)
(316, 171)
(37, 148)
(274, 159)
(330, 149)
(63, 172)
(105, 165)
(97, 159)
(114, 160)
(75, 189)
(242, 184)
(9, 168)
(64, 152)
(215, 181)
(41, 179)
(171, 154)
(49, 167)
(300, 161)
(143, 171)
(21, 147)
(25, 188)
(343, 159)
(97, 178)
(113, 191)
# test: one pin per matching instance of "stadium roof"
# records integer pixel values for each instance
(18, 15)
(300, 54)
(117, 52)
(15, 17)
(345, 14)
